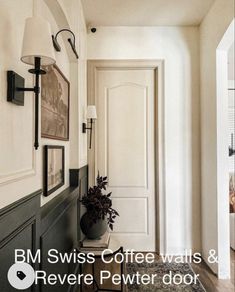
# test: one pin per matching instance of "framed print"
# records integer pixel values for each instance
(55, 104)
(53, 168)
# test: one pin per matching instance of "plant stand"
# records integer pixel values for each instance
(116, 248)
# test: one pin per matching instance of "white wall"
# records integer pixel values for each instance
(21, 166)
(231, 124)
(231, 103)
(212, 30)
(78, 150)
(179, 48)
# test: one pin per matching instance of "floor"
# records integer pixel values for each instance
(207, 278)
(210, 281)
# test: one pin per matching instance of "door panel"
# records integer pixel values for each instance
(139, 212)
(123, 102)
(125, 151)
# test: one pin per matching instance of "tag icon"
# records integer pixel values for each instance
(21, 275)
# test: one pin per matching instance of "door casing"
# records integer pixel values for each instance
(158, 67)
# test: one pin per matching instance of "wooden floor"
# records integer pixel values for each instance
(210, 281)
(207, 278)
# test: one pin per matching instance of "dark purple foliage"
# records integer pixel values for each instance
(99, 205)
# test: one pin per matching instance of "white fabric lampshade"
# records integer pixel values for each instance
(91, 112)
(37, 42)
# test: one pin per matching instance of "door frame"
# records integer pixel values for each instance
(93, 66)
(223, 241)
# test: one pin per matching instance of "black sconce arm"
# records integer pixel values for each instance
(71, 42)
(13, 90)
(85, 128)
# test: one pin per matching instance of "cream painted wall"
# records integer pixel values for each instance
(78, 150)
(179, 48)
(20, 166)
(212, 30)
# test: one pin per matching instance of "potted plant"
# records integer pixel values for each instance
(99, 212)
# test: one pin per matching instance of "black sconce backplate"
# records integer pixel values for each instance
(15, 82)
(84, 127)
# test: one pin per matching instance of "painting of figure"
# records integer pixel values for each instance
(54, 104)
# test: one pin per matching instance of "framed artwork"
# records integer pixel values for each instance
(54, 104)
(232, 192)
(53, 168)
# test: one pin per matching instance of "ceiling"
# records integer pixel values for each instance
(145, 12)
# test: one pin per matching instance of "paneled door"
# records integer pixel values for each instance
(124, 150)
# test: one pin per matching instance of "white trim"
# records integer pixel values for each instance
(222, 152)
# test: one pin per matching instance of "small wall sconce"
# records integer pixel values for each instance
(231, 150)
(71, 42)
(37, 50)
(91, 114)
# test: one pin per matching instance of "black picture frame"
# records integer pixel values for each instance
(53, 180)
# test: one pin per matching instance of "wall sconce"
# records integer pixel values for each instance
(231, 150)
(37, 50)
(71, 42)
(91, 114)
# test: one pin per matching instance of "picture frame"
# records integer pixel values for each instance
(55, 104)
(54, 174)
